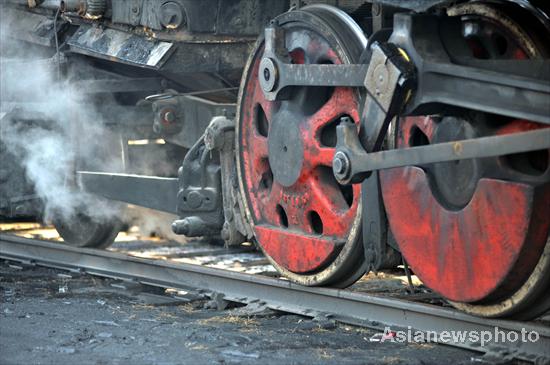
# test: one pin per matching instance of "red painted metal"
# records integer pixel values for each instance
(488, 249)
(482, 251)
(317, 218)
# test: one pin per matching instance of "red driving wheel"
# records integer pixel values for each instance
(304, 221)
(476, 231)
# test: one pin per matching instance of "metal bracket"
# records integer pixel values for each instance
(147, 191)
(220, 136)
(389, 83)
(207, 204)
(199, 199)
(378, 253)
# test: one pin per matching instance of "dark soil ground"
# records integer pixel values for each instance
(49, 317)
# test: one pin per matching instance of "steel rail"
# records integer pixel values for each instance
(337, 304)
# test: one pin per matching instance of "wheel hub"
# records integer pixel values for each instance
(285, 148)
(454, 183)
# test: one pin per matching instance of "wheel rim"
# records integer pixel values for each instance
(476, 230)
(306, 224)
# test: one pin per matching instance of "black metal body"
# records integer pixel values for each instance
(155, 70)
(207, 201)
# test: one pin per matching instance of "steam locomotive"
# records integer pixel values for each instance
(339, 136)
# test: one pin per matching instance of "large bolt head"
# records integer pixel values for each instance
(171, 15)
(194, 199)
(181, 227)
(341, 165)
(338, 165)
(267, 73)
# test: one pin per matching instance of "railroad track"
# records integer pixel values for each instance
(346, 306)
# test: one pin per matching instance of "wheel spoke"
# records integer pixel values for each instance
(328, 202)
(275, 195)
(315, 155)
(269, 200)
(425, 125)
(258, 146)
(338, 105)
(322, 156)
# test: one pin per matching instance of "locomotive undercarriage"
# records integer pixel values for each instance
(378, 134)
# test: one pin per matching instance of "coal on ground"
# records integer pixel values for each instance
(50, 316)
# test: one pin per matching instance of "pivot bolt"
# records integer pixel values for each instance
(268, 74)
(341, 164)
(169, 116)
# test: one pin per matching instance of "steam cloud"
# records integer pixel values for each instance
(50, 127)
(40, 117)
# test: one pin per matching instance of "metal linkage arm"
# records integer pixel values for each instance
(359, 162)
(389, 85)
(413, 75)
(512, 88)
(147, 191)
(440, 82)
(276, 73)
(482, 90)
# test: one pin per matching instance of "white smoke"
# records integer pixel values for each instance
(152, 223)
(50, 127)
